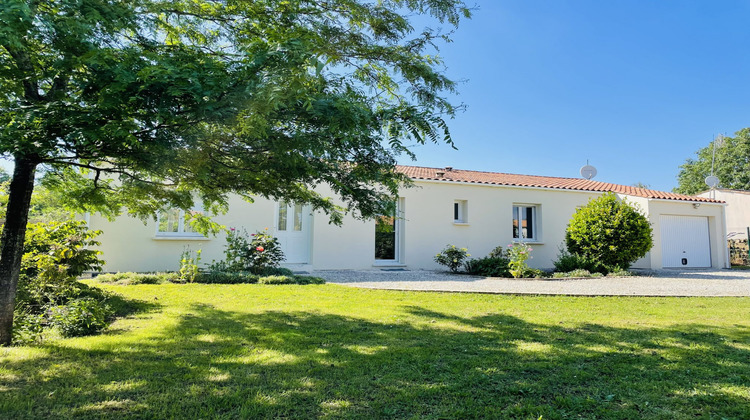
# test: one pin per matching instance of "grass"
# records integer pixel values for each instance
(256, 351)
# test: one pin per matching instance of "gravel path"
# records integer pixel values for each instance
(656, 283)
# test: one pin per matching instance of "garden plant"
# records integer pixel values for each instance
(518, 253)
(452, 257)
(605, 235)
(49, 293)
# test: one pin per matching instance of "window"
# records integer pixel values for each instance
(175, 222)
(296, 211)
(460, 211)
(524, 223)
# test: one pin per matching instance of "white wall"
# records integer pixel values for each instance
(738, 210)
(429, 219)
(428, 226)
(130, 245)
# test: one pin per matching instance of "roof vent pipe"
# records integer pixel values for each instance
(440, 174)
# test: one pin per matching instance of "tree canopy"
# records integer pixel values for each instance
(731, 165)
(148, 104)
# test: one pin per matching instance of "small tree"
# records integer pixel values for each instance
(609, 231)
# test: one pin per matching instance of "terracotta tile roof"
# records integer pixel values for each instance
(577, 184)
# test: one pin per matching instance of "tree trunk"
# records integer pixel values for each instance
(11, 244)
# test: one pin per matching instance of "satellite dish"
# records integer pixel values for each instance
(588, 171)
(712, 181)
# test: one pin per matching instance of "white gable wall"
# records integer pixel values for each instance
(737, 211)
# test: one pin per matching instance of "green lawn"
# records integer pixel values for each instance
(252, 351)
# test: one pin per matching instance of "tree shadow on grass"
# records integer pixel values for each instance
(215, 363)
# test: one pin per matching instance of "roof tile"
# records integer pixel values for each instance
(577, 184)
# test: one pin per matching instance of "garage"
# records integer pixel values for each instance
(685, 241)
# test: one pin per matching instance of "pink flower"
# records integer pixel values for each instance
(260, 249)
(252, 234)
(232, 229)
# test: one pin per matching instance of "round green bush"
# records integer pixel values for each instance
(609, 231)
(79, 317)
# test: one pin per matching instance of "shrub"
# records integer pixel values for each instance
(488, 266)
(290, 280)
(452, 257)
(567, 262)
(498, 252)
(621, 273)
(28, 326)
(256, 253)
(225, 277)
(112, 277)
(79, 317)
(55, 254)
(609, 231)
(276, 280)
(577, 273)
(308, 280)
(535, 273)
(276, 271)
(138, 278)
(518, 253)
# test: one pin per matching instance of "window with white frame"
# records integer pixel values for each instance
(460, 211)
(175, 222)
(525, 225)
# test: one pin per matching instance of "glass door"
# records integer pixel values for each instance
(387, 236)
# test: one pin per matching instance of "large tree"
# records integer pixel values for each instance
(730, 157)
(148, 104)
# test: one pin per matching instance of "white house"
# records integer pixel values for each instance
(477, 210)
(738, 210)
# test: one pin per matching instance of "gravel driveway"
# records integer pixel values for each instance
(654, 283)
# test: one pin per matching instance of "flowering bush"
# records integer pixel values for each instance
(518, 253)
(256, 253)
(264, 252)
(452, 257)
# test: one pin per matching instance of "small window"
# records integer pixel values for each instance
(524, 223)
(298, 217)
(287, 211)
(460, 211)
(283, 211)
(175, 222)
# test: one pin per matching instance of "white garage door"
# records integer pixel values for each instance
(684, 241)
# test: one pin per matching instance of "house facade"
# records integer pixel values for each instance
(476, 210)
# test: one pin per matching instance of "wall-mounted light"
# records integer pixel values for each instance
(696, 205)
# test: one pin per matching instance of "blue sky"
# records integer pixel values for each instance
(635, 87)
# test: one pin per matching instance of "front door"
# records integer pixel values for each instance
(293, 232)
